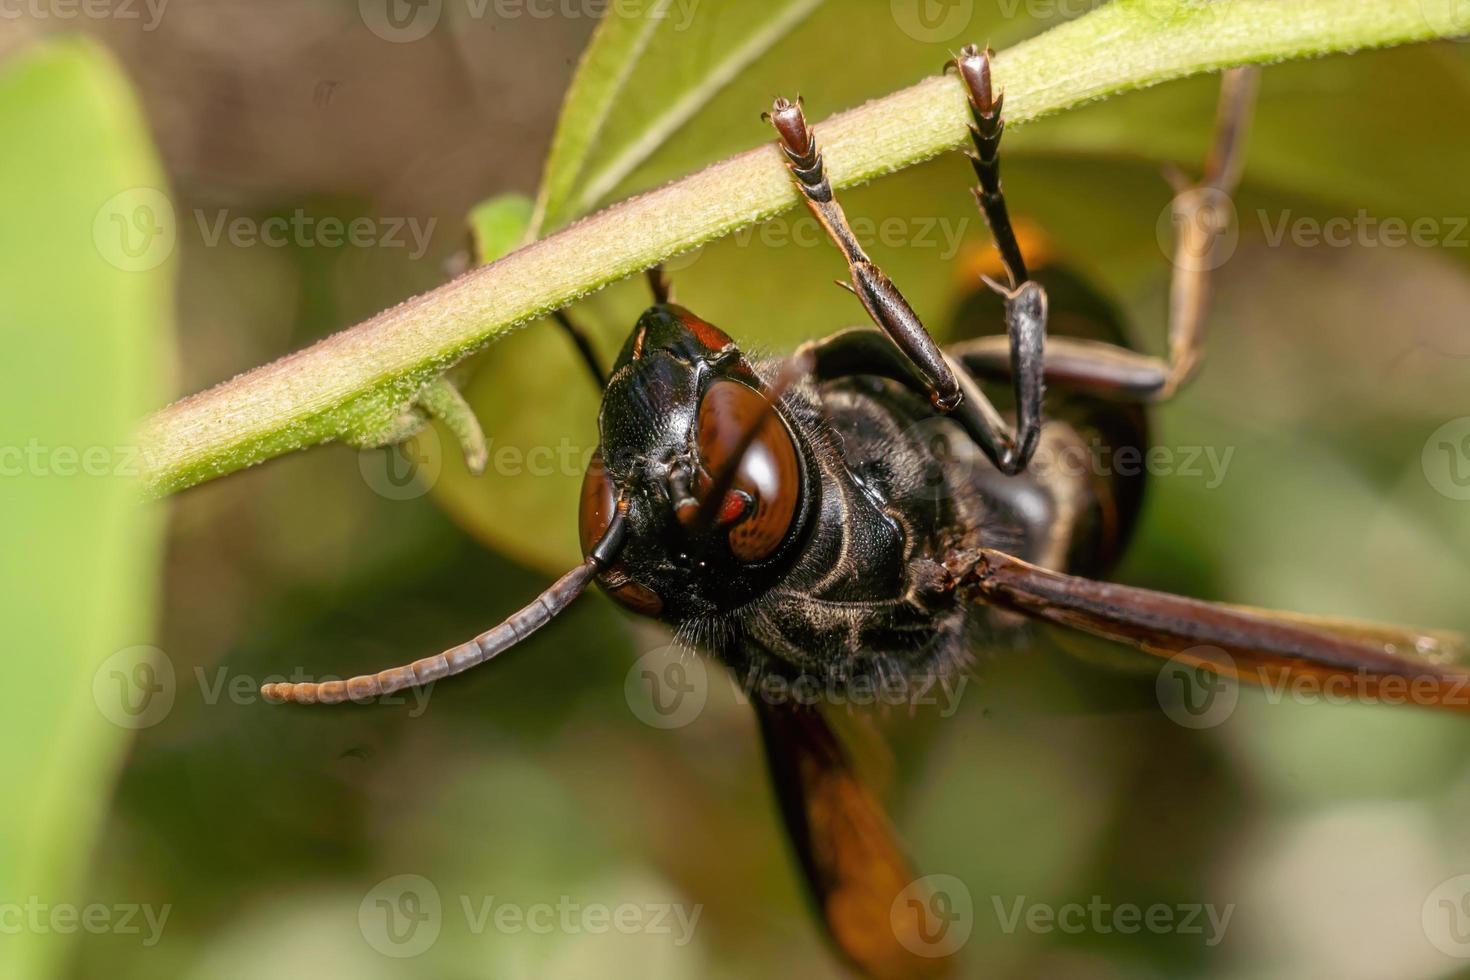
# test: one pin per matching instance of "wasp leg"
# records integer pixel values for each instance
(879, 296)
(659, 284)
(583, 343)
(986, 128)
(1202, 214)
(663, 292)
(863, 351)
(914, 358)
(1025, 300)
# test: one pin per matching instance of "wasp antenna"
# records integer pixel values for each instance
(484, 647)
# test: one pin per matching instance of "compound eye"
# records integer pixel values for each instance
(593, 517)
(762, 501)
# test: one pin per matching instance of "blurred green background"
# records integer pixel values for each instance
(1336, 373)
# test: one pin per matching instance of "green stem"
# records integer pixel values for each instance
(316, 394)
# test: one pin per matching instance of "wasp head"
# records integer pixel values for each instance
(711, 473)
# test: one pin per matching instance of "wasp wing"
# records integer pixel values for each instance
(1261, 646)
(855, 869)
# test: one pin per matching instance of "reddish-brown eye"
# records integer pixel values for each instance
(593, 517)
(768, 475)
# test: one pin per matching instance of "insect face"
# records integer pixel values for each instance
(684, 418)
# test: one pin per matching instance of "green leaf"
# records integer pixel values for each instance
(610, 57)
(85, 304)
(641, 78)
(498, 225)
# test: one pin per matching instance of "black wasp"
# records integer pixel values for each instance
(862, 510)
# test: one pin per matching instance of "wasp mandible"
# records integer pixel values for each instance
(782, 515)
